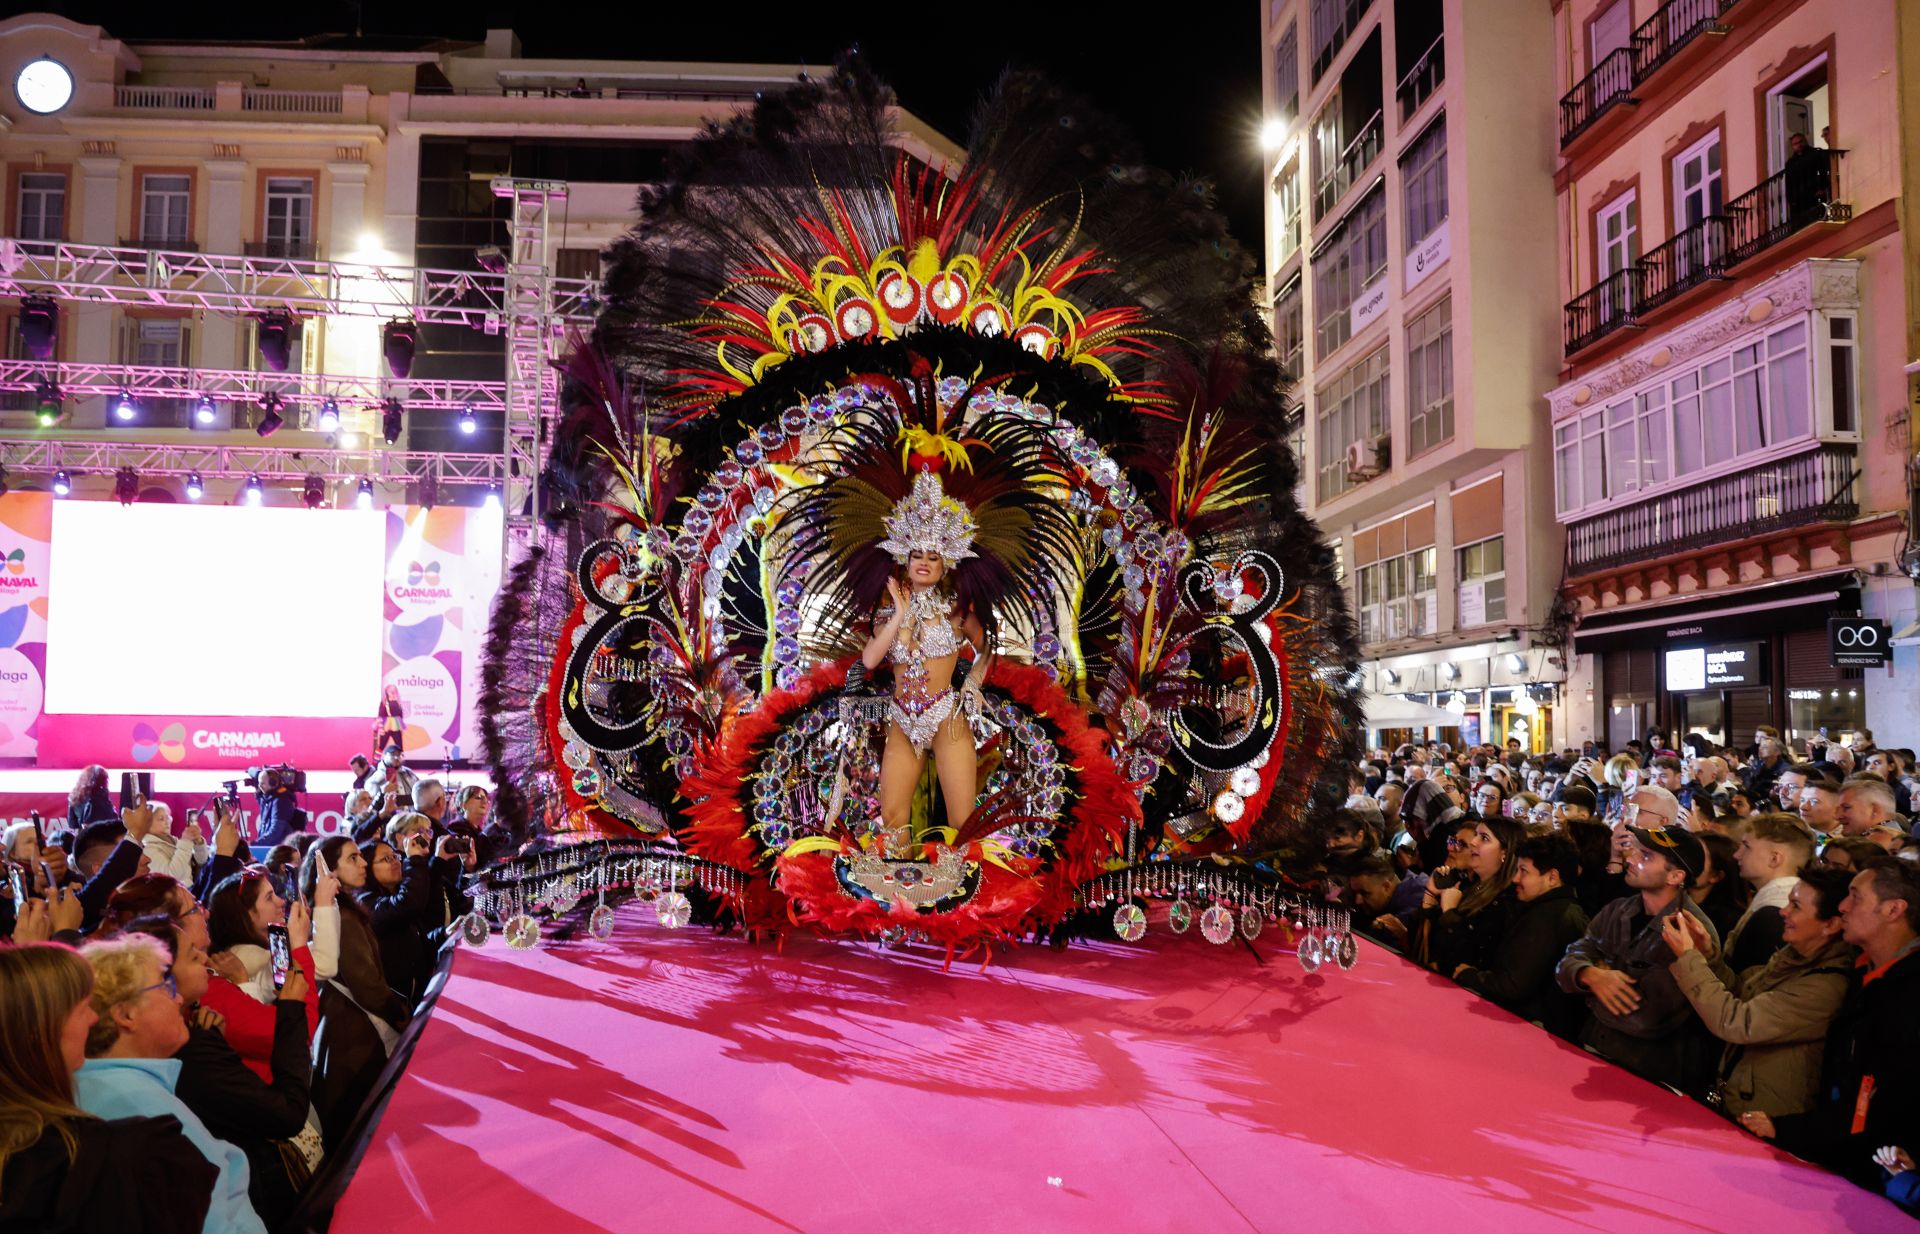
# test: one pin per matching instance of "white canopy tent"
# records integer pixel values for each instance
(1399, 711)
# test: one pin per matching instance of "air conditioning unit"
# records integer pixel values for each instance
(1363, 459)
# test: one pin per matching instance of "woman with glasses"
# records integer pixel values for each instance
(266, 1119)
(131, 1072)
(1474, 903)
(1488, 797)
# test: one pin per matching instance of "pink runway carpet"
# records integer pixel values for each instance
(683, 1082)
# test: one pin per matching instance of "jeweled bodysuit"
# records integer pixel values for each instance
(927, 634)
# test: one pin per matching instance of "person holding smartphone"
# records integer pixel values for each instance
(360, 1014)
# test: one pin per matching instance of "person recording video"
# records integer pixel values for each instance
(278, 790)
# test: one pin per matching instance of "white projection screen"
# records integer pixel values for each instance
(214, 610)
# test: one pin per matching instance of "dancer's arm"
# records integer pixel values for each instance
(882, 641)
(972, 694)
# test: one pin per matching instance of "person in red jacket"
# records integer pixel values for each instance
(242, 988)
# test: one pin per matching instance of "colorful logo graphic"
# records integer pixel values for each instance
(17, 561)
(423, 576)
(170, 743)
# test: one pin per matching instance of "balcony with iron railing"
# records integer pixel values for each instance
(1657, 42)
(1423, 79)
(1603, 308)
(1805, 193)
(1355, 158)
(1691, 258)
(1806, 489)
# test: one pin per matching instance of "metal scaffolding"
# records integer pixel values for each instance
(533, 331)
(90, 456)
(81, 379)
(141, 277)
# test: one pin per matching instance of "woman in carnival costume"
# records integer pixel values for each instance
(919, 630)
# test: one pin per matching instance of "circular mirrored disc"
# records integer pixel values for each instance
(600, 921)
(1251, 923)
(1179, 916)
(1347, 954)
(1216, 924)
(522, 931)
(1130, 922)
(673, 909)
(475, 930)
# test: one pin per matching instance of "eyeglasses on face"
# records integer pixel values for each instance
(1456, 842)
(166, 983)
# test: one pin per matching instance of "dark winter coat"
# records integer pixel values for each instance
(239, 1107)
(1520, 976)
(128, 1176)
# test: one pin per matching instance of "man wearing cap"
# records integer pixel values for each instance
(1637, 1016)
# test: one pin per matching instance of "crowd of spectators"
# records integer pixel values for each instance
(1740, 925)
(189, 1025)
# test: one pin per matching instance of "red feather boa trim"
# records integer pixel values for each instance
(1007, 896)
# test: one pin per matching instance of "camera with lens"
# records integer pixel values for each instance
(283, 777)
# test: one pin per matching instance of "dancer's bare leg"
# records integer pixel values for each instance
(899, 774)
(957, 764)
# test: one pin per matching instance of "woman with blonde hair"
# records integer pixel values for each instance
(63, 1171)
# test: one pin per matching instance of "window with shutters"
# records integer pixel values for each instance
(43, 206)
(1482, 573)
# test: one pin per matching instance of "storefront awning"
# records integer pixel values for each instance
(1749, 612)
(1399, 711)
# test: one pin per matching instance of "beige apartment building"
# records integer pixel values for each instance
(1410, 263)
(1732, 418)
(170, 199)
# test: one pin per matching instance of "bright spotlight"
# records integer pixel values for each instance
(195, 489)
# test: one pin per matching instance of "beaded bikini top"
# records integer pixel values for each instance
(930, 618)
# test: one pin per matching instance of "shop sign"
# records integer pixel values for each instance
(1706, 668)
(1857, 642)
(1427, 258)
(1372, 302)
(1473, 604)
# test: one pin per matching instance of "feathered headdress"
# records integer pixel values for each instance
(929, 521)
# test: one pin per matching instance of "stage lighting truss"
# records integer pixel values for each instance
(251, 286)
(151, 382)
(185, 457)
(270, 417)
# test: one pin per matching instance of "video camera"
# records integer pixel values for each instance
(282, 777)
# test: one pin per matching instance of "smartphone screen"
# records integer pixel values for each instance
(280, 947)
(135, 787)
(39, 831)
(17, 875)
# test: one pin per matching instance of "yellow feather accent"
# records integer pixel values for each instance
(919, 441)
(811, 844)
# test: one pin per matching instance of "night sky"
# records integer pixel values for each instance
(1189, 84)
